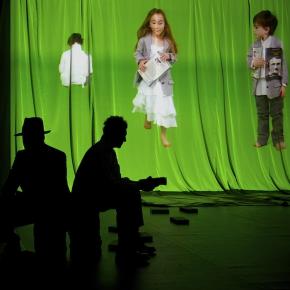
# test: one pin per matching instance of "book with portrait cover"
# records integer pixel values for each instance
(274, 57)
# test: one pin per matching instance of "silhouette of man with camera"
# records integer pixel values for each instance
(98, 186)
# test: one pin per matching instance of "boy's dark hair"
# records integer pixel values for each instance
(75, 37)
(114, 125)
(266, 19)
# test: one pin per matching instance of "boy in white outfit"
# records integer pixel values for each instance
(75, 65)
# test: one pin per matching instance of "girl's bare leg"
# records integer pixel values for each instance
(147, 124)
(164, 140)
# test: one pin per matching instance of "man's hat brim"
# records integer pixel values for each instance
(21, 133)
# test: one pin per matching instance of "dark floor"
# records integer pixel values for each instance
(223, 248)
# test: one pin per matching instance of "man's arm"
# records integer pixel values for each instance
(13, 180)
(112, 170)
(147, 184)
(64, 175)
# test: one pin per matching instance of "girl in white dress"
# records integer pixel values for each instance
(156, 101)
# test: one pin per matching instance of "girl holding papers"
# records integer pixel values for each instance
(155, 53)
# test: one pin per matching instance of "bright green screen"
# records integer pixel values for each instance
(213, 144)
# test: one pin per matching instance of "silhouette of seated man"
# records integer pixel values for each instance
(98, 186)
(40, 171)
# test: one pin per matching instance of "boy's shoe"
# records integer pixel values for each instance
(280, 145)
(259, 145)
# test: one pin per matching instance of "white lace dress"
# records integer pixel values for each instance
(151, 100)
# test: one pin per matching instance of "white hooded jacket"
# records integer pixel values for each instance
(81, 66)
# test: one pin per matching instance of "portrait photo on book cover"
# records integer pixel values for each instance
(274, 63)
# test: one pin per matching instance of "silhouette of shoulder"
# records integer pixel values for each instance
(45, 152)
(100, 153)
(99, 167)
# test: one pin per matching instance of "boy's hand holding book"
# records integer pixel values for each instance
(258, 62)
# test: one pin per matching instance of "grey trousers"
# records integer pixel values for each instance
(265, 108)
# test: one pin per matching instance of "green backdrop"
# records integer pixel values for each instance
(212, 145)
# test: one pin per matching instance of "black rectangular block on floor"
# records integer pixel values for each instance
(188, 209)
(145, 237)
(179, 220)
(159, 210)
(112, 229)
(113, 246)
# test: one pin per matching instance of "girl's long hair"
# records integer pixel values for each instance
(145, 28)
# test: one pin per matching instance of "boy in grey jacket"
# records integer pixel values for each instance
(270, 78)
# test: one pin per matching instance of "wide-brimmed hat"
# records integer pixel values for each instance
(33, 127)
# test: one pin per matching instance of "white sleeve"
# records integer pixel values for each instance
(61, 66)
